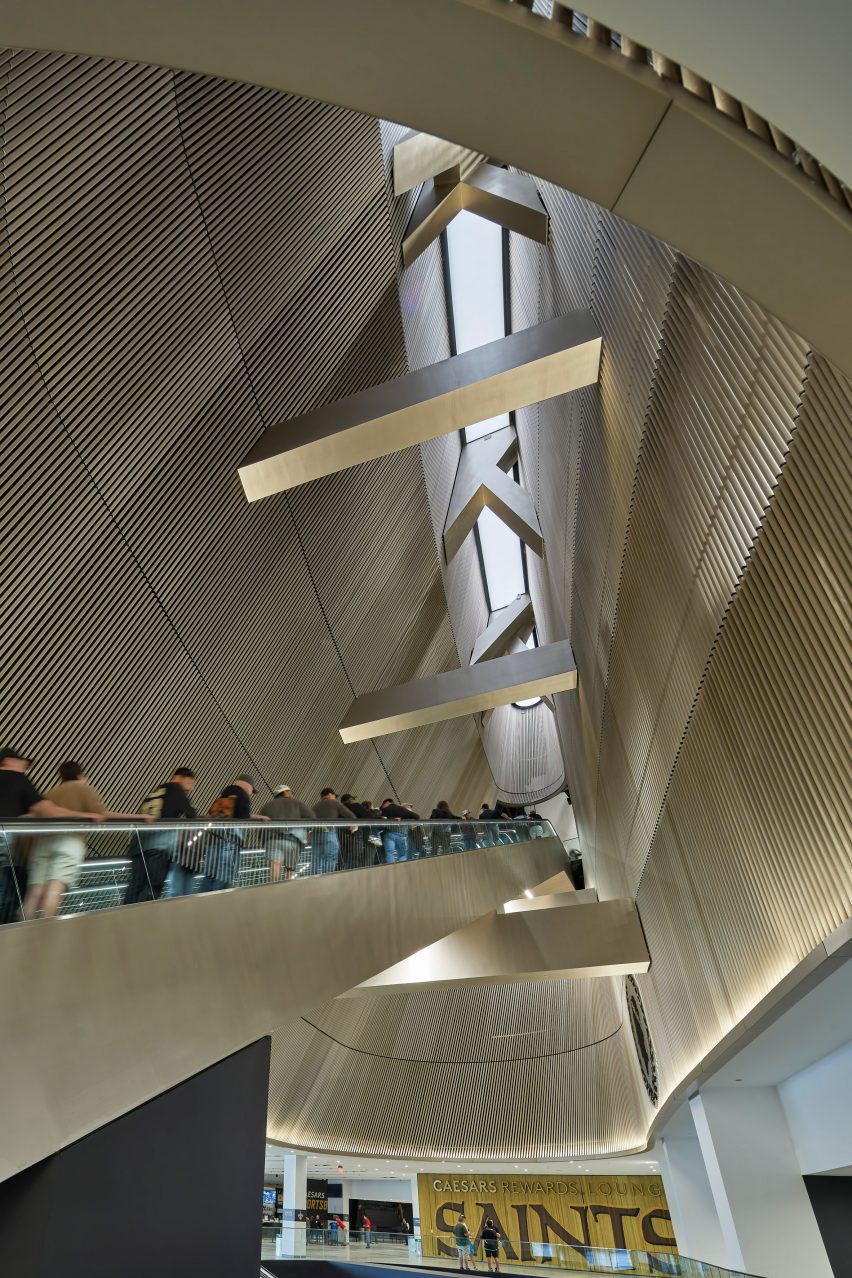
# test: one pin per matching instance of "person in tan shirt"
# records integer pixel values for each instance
(56, 858)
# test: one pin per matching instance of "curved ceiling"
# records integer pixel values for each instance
(592, 121)
(763, 54)
(471, 1091)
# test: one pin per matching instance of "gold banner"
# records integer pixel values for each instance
(554, 1219)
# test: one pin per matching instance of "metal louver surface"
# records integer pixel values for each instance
(177, 269)
(704, 589)
(539, 1069)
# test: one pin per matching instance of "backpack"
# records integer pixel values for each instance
(223, 807)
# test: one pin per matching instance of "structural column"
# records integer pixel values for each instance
(294, 1221)
(693, 1211)
(765, 1214)
(415, 1206)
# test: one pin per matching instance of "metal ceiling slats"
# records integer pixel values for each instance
(182, 251)
(524, 752)
(513, 1065)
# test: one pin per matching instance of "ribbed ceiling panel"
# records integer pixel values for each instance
(186, 261)
(529, 1070)
(523, 748)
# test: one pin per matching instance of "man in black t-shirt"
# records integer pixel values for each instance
(19, 799)
(223, 846)
(153, 850)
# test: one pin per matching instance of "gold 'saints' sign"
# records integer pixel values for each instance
(537, 1215)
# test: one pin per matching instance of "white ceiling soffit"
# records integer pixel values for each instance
(793, 72)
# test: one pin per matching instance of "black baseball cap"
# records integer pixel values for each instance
(8, 753)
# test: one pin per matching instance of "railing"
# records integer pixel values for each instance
(440, 1249)
(50, 868)
(723, 102)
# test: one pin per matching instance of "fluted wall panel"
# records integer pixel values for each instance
(706, 598)
(742, 883)
(187, 260)
(541, 1069)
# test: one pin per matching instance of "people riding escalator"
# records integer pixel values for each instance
(442, 834)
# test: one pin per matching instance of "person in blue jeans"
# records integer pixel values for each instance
(395, 839)
(224, 845)
(325, 845)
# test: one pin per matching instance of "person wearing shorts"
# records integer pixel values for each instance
(56, 858)
(461, 1233)
(491, 1245)
(285, 847)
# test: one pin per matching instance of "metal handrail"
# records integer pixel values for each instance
(579, 24)
(62, 826)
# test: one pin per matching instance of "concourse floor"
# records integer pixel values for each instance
(393, 1254)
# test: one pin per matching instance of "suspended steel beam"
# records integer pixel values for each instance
(481, 481)
(523, 368)
(512, 622)
(510, 200)
(419, 157)
(470, 690)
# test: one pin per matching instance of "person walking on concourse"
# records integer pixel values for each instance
(56, 858)
(491, 1245)
(396, 840)
(221, 866)
(461, 1233)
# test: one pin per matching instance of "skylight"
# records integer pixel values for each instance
(475, 253)
(501, 557)
(476, 297)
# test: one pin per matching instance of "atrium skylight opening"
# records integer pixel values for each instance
(476, 303)
(475, 260)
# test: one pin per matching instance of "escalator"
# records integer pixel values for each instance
(106, 1007)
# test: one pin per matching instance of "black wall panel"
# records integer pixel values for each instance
(831, 1199)
(174, 1187)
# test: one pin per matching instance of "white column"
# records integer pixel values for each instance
(764, 1211)
(415, 1206)
(693, 1212)
(293, 1224)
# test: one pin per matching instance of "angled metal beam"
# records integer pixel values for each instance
(469, 690)
(419, 156)
(602, 938)
(480, 481)
(509, 199)
(524, 368)
(515, 621)
(435, 208)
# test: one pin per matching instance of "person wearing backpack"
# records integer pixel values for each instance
(223, 845)
(491, 1245)
(154, 850)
